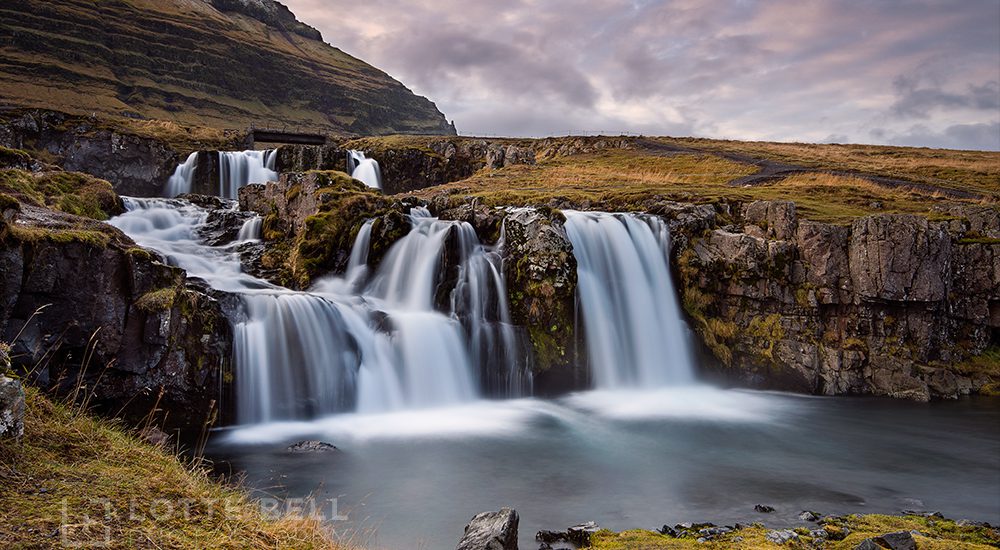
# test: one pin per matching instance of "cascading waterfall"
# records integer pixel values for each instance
(307, 354)
(239, 168)
(364, 169)
(635, 334)
(251, 229)
(182, 179)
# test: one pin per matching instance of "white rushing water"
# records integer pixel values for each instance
(364, 169)
(251, 229)
(239, 168)
(348, 344)
(183, 177)
(636, 337)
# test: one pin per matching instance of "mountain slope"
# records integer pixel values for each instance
(223, 63)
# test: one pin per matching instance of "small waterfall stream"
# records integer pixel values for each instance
(239, 168)
(183, 178)
(634, 330)
(364, 169)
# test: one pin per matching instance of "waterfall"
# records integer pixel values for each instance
(239, 168)
(350, 343)
(251, 229)
(182, 179)
(634, 330)
(364, 169)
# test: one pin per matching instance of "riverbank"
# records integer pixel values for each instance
(76, 480)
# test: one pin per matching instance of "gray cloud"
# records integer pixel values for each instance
(916, 101)
(853, 70)
(981, 136)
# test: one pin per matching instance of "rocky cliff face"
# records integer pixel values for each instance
(892, 305)
(136, 164)
(220, 63)
(83, 306)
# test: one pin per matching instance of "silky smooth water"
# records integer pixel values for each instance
(634, 330)
(364, 169)
(183, 177)
(629, 459)
(361, 342)
(239, 168)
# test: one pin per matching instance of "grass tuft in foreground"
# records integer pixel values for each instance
(77, 480)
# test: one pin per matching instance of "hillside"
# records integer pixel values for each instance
(221, 63)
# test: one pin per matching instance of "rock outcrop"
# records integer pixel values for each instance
(137, 165)
(409, 164)
(11, 407)
(87, 312)
(491, 531)
(541, 279)
(311, 220)
(892, 305)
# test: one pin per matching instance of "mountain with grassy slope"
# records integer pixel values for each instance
(221, 63)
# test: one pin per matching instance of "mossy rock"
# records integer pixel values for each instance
(69, 192)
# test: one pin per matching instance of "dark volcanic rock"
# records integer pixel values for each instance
(87, 306)
(491, 531)
(891, 305)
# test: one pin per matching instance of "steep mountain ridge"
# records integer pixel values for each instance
(222, 63)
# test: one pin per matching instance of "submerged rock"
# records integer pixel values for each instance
(311, 446)
(807, 515)
(763, 508)
(491, 531)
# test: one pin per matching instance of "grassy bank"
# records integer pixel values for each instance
(78, 480)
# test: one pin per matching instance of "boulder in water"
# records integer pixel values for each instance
(491, 531)
(763, 508)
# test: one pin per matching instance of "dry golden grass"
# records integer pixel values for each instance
(623, 179)
(71, 467)
(976, 171)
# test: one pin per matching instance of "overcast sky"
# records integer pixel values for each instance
(901, 72)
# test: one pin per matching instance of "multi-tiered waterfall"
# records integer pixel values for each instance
(367, 343)
(634, 331)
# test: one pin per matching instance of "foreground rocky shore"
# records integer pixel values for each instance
(909, 531)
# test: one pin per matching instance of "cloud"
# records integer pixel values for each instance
(744, 69)
(981, 137)
(916, 101)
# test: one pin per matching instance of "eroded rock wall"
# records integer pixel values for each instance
(109, 318)
(892, 305)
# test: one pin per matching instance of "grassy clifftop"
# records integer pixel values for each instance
(188, 62)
